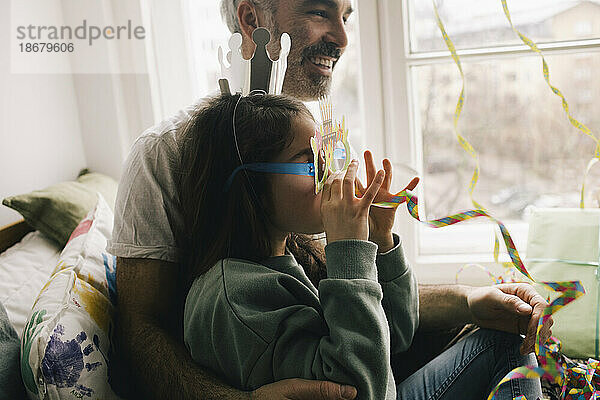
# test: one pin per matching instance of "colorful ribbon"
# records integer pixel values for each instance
(551, 364)
(588, 392)
(459, 106)
(597, 342)
(413, 208)
(580, 380)
(509, 276)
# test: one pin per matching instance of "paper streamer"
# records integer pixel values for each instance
(413, 208)
(464, 143)
(459, 106)
(551, 364)
(496, 279)
(580, 380)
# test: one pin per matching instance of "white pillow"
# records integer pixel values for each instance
(24, 269)
(66, 343)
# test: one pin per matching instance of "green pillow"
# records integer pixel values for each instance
(57, 210)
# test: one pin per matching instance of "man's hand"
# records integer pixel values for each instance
(302, 389)
(511, 307)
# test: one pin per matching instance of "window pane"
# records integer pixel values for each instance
(207, 32)
(530, 155)
(345, 93)
(483, 23)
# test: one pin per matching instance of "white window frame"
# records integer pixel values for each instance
(401, 136)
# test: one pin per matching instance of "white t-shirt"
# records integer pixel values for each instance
(147, 210)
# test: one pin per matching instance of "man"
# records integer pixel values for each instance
(147, 222)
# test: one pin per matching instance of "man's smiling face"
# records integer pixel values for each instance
(317, 30)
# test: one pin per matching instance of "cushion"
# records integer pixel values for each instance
(24, 269)
(57, 209)
(65, 347)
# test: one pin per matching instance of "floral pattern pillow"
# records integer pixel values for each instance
(66, 343)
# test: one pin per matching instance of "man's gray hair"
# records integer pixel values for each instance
(229, 12)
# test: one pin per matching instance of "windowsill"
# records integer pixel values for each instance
(469, 242)
(461, 259)
(442, 269)
(460, 245)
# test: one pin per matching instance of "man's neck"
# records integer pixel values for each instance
(278, 242)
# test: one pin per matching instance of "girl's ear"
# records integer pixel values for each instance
(248, 19)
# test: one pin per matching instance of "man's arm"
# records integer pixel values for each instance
(443, 306)
(149, 330)
(510, 307)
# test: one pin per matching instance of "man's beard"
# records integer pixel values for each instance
(299, 82)
(302, 85)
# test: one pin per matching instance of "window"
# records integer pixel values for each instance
(482, 24)
(398, 86)
(583, 73)
(530, 155)
(207, 32)
(583, 28)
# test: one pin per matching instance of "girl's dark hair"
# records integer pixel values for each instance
(234, 223)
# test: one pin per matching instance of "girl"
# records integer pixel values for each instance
(253, 313)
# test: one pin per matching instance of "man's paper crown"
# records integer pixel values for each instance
(258, 73)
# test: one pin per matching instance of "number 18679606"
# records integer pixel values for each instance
(44, 47)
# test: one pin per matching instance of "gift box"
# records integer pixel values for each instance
(563, 245)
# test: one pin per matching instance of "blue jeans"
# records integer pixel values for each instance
(471, 368)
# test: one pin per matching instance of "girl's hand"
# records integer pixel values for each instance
(381, 220)
(344, 215)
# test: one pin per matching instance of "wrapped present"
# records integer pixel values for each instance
(563, 245)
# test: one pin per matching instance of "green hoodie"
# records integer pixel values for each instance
(257, 323)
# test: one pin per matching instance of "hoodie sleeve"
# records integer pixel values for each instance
(354, 347)
(400, 296)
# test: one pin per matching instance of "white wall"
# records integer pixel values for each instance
(40, 142)
(113, 111)
(55, 124)
(114, 108)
